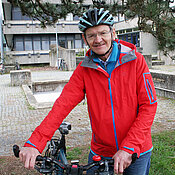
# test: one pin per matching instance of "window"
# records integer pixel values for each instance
(45, 42)
(19, 45)
(78, 41)
(77, 36)
(28, 43)
(17, 15)
(70, 41)
(36, 43)
(131, 37)
(78, 44)
(62, 41)
(52, 40)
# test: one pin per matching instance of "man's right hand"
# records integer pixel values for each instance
(28, 156)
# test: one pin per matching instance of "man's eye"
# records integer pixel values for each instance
(104, 33)
(90, 36)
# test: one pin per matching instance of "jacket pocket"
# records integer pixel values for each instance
(149, 85)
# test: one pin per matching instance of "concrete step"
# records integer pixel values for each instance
(154, 57)
(157, 62)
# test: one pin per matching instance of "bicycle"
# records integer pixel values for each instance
(17, 66)
(62, 64)
(2, 68)
(55, 162)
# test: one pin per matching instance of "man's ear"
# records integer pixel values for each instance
(113, 33)
(84, 39)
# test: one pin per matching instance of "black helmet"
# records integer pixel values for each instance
(95, 17)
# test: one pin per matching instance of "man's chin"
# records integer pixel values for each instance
(99, 53)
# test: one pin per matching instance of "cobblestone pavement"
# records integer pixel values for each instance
(18, 119)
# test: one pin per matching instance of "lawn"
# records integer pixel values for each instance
(163, 156)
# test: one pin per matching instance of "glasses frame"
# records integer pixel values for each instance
(103, 34)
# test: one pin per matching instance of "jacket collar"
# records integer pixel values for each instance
(127, 53)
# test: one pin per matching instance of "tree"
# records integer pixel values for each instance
(46, 12)
(154, 16)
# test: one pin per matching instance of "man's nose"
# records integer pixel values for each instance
(98, 38)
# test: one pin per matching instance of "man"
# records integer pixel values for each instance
(120, 95)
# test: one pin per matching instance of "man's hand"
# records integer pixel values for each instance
(122, 160)
(28, 156)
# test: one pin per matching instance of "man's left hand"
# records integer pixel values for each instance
(122, 160)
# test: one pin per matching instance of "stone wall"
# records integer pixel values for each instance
(27, 57)
(50, 85)
(164, 84)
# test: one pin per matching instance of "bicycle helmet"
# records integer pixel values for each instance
(95, 17)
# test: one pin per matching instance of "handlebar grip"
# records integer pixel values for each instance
(16, 150)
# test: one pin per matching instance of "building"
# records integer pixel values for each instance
(29, 43)
(128, 30)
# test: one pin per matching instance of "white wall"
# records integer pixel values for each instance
(148, 43)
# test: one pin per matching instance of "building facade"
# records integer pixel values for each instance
(29, 43)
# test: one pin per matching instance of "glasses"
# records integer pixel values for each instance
(102, 34)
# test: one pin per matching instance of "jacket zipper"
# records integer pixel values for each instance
(150, 89)
(112, 106)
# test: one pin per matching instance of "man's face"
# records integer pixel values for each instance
(99, 39)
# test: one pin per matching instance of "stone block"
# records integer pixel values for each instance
(148, 60)
(68, 55)
(20, 77)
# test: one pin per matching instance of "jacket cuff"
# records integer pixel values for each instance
(29, 144)
(130, 150)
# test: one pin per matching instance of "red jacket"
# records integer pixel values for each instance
(121, 106)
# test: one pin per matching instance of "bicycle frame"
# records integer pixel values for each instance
(57, 147)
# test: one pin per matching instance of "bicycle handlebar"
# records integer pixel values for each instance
(73, 169)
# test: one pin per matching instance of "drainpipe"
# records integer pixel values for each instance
(57, 40)
(1, 33)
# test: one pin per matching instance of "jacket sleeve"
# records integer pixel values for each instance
(147, 105)
(72, 94)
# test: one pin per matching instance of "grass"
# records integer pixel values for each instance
(78, 153)
(163, 155)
